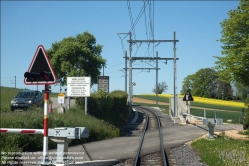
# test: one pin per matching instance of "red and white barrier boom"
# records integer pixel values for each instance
(21, 131)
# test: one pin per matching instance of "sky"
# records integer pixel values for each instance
(27, 24)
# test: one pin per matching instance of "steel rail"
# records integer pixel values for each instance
(160, 135)
(142, 139)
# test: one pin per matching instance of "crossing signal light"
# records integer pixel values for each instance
(31, 76)
(42, 76)
(40, 71)
(46, 75)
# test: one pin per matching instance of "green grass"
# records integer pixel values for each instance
(223, 151)
(7, 95)
(225, 115)
(193, 103)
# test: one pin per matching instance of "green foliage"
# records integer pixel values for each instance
(187, 83)
(162, 87)
(76, 56)
(206, 83)
(242, 91)
(234, 64)
(109, 107)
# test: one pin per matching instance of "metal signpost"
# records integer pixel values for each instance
(103, 83)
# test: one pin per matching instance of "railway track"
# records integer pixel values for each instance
(152, 122)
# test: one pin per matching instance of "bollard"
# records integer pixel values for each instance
(210, 130)
(50, 108)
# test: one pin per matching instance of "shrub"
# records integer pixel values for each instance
(109, 107)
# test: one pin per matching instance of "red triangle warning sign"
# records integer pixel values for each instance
(188, 97)
(40, 71)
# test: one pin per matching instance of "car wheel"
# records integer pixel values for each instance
(12, 109)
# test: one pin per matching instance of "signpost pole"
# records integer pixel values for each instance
(68, 104)
(85, 105)
(187, 102)
(45, 125)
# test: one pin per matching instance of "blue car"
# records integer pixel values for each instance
(27, 98)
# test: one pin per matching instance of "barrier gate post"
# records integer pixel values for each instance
(45, 159)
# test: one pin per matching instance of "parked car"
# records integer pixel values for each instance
(27, 98)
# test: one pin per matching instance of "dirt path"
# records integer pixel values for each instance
(141, 100)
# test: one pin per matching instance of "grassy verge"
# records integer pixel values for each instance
(223, 151)
(235, 116)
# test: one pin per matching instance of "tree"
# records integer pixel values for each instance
(234, 64)
(202, 83)
(187, 84)
(224, 90)
(76, 57)
(162, 87)
(242, 91)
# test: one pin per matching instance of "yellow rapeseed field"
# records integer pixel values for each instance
(206, 100)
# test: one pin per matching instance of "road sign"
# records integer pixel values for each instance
(61, 98)
(103, 83)
(40, 71)
(78, 86)
(188, 97)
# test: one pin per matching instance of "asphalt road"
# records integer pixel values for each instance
(125, 147)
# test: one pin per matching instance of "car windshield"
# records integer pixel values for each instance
(25, 95)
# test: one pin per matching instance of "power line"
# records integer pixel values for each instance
(115, 65)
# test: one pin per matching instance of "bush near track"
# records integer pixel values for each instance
(109, 107)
